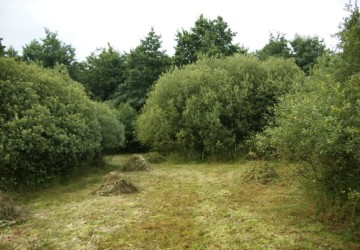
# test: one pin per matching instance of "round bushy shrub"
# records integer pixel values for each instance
(209, 108)
(48, 126)
(112, 130)
(319, 123)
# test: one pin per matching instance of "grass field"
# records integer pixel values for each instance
(179, 206)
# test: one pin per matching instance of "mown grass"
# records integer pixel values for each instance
(179, 206)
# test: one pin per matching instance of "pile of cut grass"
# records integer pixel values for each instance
(261, 172)
(9, 212)
(115, 183)
(136, 163)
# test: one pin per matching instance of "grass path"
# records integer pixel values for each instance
(192, 206)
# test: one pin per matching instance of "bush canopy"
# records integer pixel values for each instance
(319, 123)
(48, 126)
(209, 108)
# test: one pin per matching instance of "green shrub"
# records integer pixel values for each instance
(319, 123)
(112, 130)
(207, 109)
(128, 115)
(48, 126)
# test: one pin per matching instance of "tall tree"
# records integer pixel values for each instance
(103, 72)
(349, 35)
(11, 52)
(144, 65)
(209, 37)
(2, 48)
(306, 50)
(278, 46)
(49, 51)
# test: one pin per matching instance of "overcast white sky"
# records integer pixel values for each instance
(90, 24)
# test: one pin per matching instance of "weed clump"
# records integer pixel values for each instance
(115, 183)
(136, 163)
(154, 157)
(261, 172)
(9, 213)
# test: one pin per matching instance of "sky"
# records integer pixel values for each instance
(91, 24)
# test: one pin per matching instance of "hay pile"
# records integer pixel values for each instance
(251, 156)
(9, 213)
(154, 157)
(136, 163)
(261, 172)
(115, 183)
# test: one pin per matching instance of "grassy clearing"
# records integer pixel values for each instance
(179, 206)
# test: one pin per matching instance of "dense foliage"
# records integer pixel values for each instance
(207, 37)
(144, 65)
(49, 52)
(111, 127)
(350, 43)
(10, 52)
(209, 108)
(305, 50)
(276, 47)
(2, 48)
(48, 126)
(103, 72)
(318, 123)
(128, 116)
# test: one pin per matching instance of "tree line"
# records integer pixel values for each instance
(122, 80)
(49, 127)
(126, 77)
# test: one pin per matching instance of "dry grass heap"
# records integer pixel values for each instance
(251, 156)
(136, 163)
(260, 172)
(115, 183)
(9, 213)
(154, 157)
